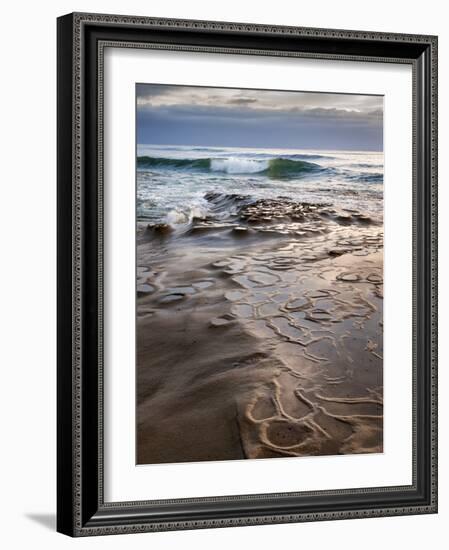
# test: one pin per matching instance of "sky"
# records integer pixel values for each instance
(228, 117)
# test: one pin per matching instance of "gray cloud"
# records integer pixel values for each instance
(318, 104)
(149, 91)
(257, 118)
(242, 101)
(242, 111)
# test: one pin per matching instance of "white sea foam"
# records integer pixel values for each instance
(235, 165)
(183, 215)
(173, 192)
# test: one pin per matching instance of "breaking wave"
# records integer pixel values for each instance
(274, 167)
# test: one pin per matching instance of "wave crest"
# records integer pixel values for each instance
(276, 167)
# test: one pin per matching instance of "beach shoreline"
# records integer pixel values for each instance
(259, 335)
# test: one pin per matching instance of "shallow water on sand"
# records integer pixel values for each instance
(259, 331)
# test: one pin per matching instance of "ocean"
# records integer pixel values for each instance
(259, 289)
(173, 182)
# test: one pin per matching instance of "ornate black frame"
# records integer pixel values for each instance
(81, 509)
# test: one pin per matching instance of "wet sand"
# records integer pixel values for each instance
(260, 336)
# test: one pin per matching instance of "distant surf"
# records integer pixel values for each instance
(172, 181)
(275, 167)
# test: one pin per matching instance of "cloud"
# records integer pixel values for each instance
(315, 103)
(148, 91)
(183, 127)
(242, 101)
(242, 110)
(258, 118)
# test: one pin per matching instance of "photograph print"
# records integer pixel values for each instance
(259, 274)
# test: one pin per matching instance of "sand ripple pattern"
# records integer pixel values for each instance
(312, 306)
(308, 317)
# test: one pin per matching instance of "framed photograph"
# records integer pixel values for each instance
(247, 274)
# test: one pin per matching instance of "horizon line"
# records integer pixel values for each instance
(264, 148)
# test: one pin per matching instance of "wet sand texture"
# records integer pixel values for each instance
(262, 336)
